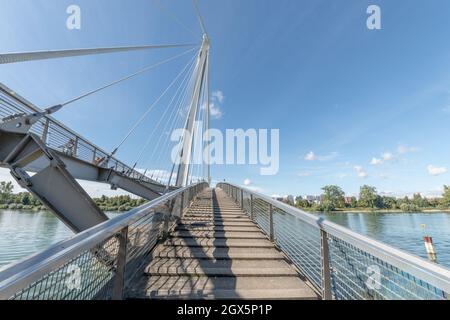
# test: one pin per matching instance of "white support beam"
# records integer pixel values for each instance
(56, 54)
(186, 151)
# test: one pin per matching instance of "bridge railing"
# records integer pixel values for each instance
(340, 263)
(99, 262)
(59, 137)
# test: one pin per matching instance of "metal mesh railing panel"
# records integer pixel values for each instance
(356, 274)
(84, 277)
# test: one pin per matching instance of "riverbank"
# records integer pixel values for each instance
(366, 210)
(28, 208)
(24, 233)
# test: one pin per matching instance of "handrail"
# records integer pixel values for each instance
(33, 109)
(20, 275)
(434, 274)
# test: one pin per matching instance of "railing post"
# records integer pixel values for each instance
(45, 132)
(75, 147)
(271, 228)
(167, 216)
(94, 156)
(182, 205)
(242, 199)
(326, 271)
(251, 208)
(119, 280)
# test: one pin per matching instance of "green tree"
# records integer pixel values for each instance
(389, 203)
(419, 201)
(301, 203)
(405, 207)
(445, 201)
(333, 198)
(354, 203)
(405, 200)
(368, 197)
(6, 191)
(25, 199)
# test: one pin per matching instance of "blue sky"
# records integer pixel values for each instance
(354, 106)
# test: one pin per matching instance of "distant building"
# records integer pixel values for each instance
(348, 200)
(314, 199)
(290, 199)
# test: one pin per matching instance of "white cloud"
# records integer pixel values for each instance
(304, 174)
(402, 149)
(215, 106)
(215, 111)
(255, 189)
(218, 95)
(247, 182)
(436, 171)
(328, 157)
(446, 109)
(310, 156)
(361, 173)
(387, 156)
(376, 161)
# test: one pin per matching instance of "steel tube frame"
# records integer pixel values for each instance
(119, 280)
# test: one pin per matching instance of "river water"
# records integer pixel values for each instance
(23, 233)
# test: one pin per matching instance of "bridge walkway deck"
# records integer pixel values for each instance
(217, 252)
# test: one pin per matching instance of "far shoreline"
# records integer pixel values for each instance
(344, 210)
(365, 210)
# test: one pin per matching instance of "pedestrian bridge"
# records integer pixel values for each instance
(192, 240)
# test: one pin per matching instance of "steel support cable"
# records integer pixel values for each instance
(143, 70)
(181, 103)
(199, 16)
(150, 109)
(178, 153)
(55, 54)
(196, 167)
(202, 165)
(179, 142)
(205, 121)
(171, 122)
(144, 148)
(188, 168)
(182, 85)
(174, 17)
(188, 89)
(196, 171)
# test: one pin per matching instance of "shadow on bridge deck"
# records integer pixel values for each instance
(217, 252)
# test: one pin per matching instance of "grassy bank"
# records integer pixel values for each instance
(26, 202)
(366, 210)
